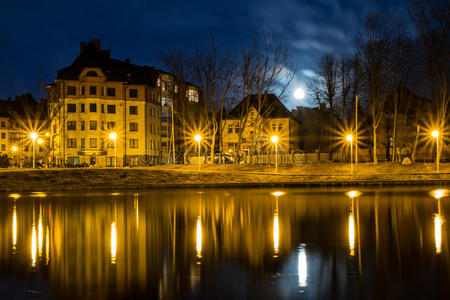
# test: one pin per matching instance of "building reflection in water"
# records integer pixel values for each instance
(302, 266)
(237, 233)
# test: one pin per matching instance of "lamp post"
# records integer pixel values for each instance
(33, 137)
(274, 139)
(14, 150)
(435, 134)
(113, 136)
(350, 139)
(198, 138)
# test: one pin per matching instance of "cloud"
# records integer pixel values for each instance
(309, 73)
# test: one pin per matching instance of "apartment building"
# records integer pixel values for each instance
(108, 112)
(105, 112)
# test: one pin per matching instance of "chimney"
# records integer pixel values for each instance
(82, 47)
(97, 44)
(127, 60)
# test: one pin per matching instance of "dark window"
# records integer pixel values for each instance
(230, 128)
(133, 110)
(93, 143)
(93, 107)
(236, 129)
(133, 126)
(111, 109)
(93, 125)
(92, 74)
(71, 143)
(133, 143)
(82, 107)
(3, 135)
(83, 143)
(3, 124)
(71, 108)
(71, 125)
(102, 91)
(103, 125)
(82, 90)
(71, 90)
(133, 93)
(83, 125)
(92, 90)
(103, 108)
(110, 125)
(111, 92)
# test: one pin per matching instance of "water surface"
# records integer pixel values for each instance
(226, 243)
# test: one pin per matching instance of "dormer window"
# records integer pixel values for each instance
(92, 74)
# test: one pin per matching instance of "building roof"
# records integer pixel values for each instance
(271, 107)
(91, 56)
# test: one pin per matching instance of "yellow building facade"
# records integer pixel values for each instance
(105, 112)
(248, 129)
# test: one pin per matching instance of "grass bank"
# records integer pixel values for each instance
(20, 180)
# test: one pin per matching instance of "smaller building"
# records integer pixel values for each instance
(249, 126)
(18, 119)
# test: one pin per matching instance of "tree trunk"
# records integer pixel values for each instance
(394, 134)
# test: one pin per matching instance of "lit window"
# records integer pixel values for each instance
(93, 125)
(71, 143)
(134, 126)
(133, 143)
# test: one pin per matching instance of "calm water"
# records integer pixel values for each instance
(226, 243)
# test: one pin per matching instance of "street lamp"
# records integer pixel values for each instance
(14, 150)
(198, 138)
(274, 139)
(34, 136)
(435, 134)
(350, 139)
(113, 136)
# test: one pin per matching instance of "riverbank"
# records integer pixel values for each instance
(45, 180)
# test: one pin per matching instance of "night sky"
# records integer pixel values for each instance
(40, 37)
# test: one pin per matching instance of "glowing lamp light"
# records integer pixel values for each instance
(47, 134)
(14, 196)
(353, 194)
(435, 133)
(349, 137)
(274, 139)
(198, 137)
(33, 135)
(439, 193)
(351, 234)
(14, 148)
(40, 141)
(277, 193)
(113, 136)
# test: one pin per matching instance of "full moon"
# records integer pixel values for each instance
(299, 93)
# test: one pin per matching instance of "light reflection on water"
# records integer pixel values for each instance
(316, 243)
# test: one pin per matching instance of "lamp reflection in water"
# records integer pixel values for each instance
(438, 194)
(276, 228)
(14, 227)
(351, 234)
(33, 245)
(302, 266)
(113, 242)
(40, 232)
(136, 206)
(351, 223)
(199, 237)
(47, 246)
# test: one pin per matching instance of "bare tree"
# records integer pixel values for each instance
(432, 21)
(265, 68)
(375, 53)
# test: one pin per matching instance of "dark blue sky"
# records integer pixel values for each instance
(40, 37)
